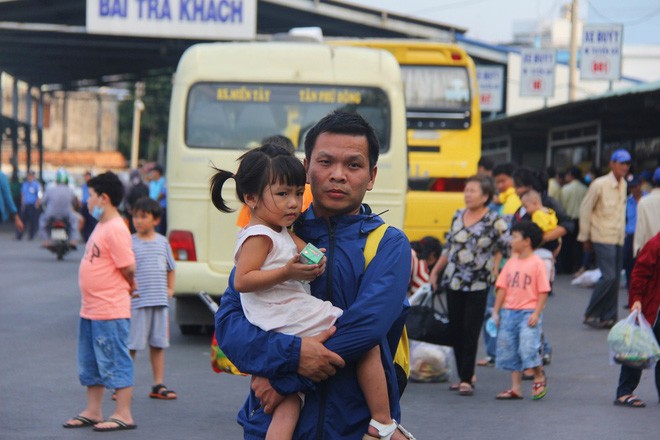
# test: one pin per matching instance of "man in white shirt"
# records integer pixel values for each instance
(648, 215)
(602, 228)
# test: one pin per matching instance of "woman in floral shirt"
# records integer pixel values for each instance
(476, 242)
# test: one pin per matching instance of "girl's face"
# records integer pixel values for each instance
(278, 205)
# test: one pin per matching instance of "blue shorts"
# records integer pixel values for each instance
(518, 344)
(103, 356)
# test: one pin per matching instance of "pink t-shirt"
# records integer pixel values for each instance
(105, 291)
(523, 279)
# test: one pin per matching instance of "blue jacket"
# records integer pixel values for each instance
(373, 303)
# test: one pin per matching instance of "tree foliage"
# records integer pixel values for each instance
(153, 124)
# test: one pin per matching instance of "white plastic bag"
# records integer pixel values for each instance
(633, 343)
(421, 295)
(429, 362)
(588, 278)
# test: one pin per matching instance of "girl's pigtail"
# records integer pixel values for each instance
(217, 181)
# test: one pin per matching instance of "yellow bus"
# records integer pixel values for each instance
(444, 128)
(226, 98)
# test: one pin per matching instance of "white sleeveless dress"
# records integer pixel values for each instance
(285, 308)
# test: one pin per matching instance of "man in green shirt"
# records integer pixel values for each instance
(570, 198)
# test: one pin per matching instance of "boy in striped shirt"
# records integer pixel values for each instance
(155, 279)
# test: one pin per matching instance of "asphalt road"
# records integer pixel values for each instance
(39, 389)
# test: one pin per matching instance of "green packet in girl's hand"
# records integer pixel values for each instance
(311, 254)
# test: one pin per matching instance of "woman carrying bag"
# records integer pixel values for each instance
(476, 242)
(643, 296)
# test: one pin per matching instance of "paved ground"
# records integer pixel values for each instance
(39, 302)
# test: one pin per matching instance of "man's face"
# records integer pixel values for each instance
(620, 169)
(338, 172)
(503, 182)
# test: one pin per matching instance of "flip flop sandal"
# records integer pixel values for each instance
(84, 422)
(465, 390)
(508, 395)
(160, 391)
(631, 402)
(121, 426)
(539, 386)
(457, 386)
(385, 432)
(486, 362)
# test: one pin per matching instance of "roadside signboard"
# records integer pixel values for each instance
(197, 19)
(600, 56)
(537, 72)
(491, 87)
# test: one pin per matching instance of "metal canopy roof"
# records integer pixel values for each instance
(45, 41)
(622, 112)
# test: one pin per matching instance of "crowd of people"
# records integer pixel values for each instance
(604, 221)
(325, 362)
(33, 204)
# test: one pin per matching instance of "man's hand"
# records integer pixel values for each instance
(637, 305)
(266, 394)
(588, 246)
(316, 362)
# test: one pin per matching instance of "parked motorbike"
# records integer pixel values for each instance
(58, 230)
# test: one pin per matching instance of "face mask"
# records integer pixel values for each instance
(587, 178)
(97, 213)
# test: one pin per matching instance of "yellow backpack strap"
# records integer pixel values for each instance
(402, 355)
(373, 240)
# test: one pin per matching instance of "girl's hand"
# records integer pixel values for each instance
(303, 272)
(496, 319)
(533, 320)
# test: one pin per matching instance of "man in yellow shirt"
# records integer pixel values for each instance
(507, 197)
(602, 228)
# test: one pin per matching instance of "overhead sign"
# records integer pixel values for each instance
(537, 72)
(600, 56)
(197, 19)
(490, 80)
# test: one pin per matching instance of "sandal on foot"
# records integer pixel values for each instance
(385, 432)
(120, 426)
(488, 361)
(160, 391)
(465, 389)
(508, 395)
(84, 422)
(631, 402)
(539, 386)
(457, 386)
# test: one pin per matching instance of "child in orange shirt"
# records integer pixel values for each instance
(522, 291)
(106, 279)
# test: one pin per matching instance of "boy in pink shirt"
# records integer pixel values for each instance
(106, 279)
(522, 291)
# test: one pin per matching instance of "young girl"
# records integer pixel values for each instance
(270, 275)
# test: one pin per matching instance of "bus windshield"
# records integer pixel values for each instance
(240, 115)
(436, 88)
